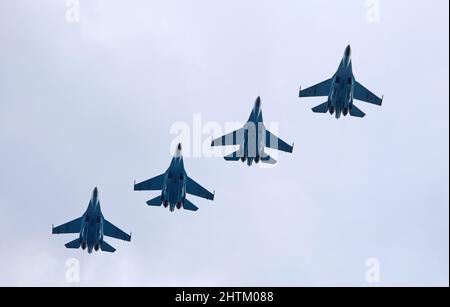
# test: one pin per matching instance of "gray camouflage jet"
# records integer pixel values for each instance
(252, 139)
(174, 184)
(92, 227)
(342, 89)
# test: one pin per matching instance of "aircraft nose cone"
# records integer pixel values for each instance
(178, 151)
(95, 193)
(258, 102)
(348, 51)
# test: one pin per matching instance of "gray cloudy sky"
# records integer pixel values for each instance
(92, 103)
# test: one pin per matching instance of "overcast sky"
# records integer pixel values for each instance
(92, 104)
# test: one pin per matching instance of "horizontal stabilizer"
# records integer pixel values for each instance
(323, 108)
(107, 248)
(354, 111)
(73, 244)
(187, 205)
(235, 156)
(268, 159)
(157, 201)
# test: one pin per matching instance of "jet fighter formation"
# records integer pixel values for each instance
(174, 184)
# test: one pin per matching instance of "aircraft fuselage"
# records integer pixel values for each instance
(252, 145)
(340, 99)
(91, 234)
(174, 188)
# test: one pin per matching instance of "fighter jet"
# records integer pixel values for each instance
(252, 139)
(174, 184)
(341, 90)
(92, 227)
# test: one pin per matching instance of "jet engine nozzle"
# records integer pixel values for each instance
(244, 158)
